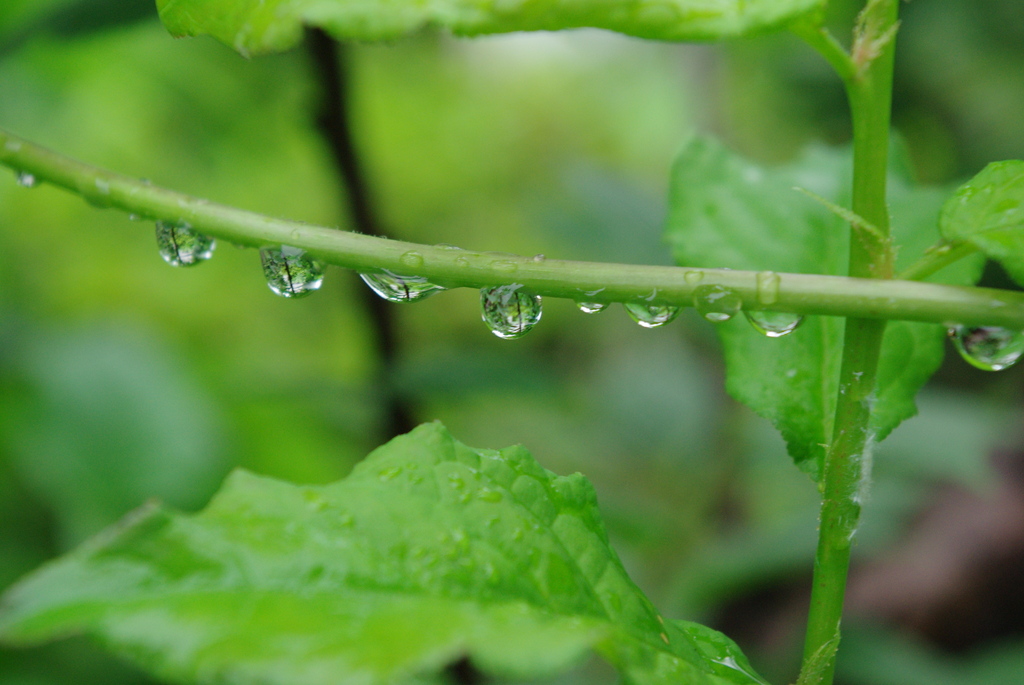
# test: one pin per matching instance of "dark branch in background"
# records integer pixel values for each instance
(330, 61)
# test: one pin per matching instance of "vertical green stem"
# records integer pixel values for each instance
(847, 462)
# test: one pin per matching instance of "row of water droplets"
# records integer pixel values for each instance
(289, 271)
(718, 303)
(510, 312)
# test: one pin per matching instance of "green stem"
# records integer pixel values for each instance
(937, 258)
(822, 40)
(848, 459)
(594, 282)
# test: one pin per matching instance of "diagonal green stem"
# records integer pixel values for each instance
(848, 460)
(589, 281)
(936, 259)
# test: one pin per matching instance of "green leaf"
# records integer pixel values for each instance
(988, 212)
(260, 26)
(727, 212)
(725, 656)
(429, 552)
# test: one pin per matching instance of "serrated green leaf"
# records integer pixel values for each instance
(430, 551)
(260, 26)
(988, 212)
(727, 212)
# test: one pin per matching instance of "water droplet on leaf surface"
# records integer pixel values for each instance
(290, 272)
(592, 307)
(395, 288)
(489, 495)
(716, 303)
(179, 245)
(773, 324)
(989, 348)
(509, 312)
(25, 179)
(651, 315)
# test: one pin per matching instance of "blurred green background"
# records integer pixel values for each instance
(122, 379)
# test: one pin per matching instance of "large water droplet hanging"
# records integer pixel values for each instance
(508, 312)
(290, 272)
(773, 324)
(716, 303)
(651, 315)
(592, 307)
(988, 347)
(181, 246)
(395, 288)
(25, 179)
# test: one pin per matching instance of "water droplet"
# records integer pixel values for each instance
(592, 307)
(989, 348)
(508, 312)
(768, 287)
(490, 573)
(395, 288)
(447, 246)
(134, 217)
(539, 258)
(504, 265)
(773, 324)
(716, 303)
(315, 501)
(412, 259)
(651, 315)
(390, 473)
(461, 262)
(488, 495)
(25, 179)
(102, 186)
(181, 246)
(693, 277)
(13, 145)
(290, 272)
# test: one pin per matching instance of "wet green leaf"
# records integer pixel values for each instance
(988, 212)
(258, 26)
(728, 212)
(429, 552)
